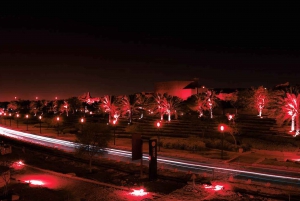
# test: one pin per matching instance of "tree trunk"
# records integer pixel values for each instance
(293, 124)
(90, 164)
(297, 125)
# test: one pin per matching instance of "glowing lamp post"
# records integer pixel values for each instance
(4, 118)
(114, 125)
(40, 118)
(26, 122)
(9, 119)
(57, 119)
(17, 120)
(222, 131)
(82, 121)
(158, 124)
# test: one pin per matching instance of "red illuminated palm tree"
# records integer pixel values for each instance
(211, 101)
(172, 106)
(260, 99)
(34, 107)
(131, 105)
(292, 109)
(158, 104)
(285, 107)
(64, 107)
(13, 106)
(109, 107)
(197, 102)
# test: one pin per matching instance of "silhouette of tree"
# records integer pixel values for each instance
(93, 137)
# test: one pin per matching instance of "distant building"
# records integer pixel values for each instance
(181, 89)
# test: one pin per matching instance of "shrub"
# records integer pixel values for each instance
(269, 144)
(70, 130)
(190, 144)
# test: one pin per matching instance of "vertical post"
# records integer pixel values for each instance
(40, 117)
(26, 122)
(17, 120)
(142, 159)
(9, 119)
(82, 120)
(114, 125)
(158, 134)
(222, 143)
(152, 159)
(222, 131)
(114, 135)
(57, 126)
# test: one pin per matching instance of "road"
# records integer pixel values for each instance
(253, 173)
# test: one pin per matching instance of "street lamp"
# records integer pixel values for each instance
(57, 125)
(40, 117)
(114, 125)
(82, 121)
(158, 124)
(9, 119)
(18, 120)
(4, 118)
(222, 131)
(26, 122)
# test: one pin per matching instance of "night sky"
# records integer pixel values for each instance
(67, 50)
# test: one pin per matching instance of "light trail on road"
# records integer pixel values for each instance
(184, 165)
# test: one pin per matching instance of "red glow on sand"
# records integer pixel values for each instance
(215, 188)
(45, 180)
(35, 182)
(140, 192)
(17, 165)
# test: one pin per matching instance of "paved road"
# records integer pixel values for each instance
(212, 167)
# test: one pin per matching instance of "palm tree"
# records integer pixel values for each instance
(13, 106)
(131, 105)
(291, 109)
(141, 103)
(288, 107)
(197, 102)
(34, 107)
(107, 105)
(158, 104)
(74, 104)
(260, 99)
(211, 101)
(173, 105)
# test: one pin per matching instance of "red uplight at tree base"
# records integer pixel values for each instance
(215, 188)
(17, 165)
(46, 180)
(140, 192)
(35, 182)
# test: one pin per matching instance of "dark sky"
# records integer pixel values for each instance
(61, 50)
